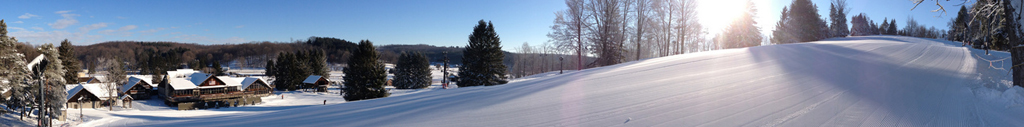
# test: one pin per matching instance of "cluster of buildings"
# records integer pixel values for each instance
(185, 89)
(182, 88)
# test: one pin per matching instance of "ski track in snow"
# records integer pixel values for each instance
(854, 81)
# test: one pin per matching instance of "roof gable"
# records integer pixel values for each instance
(313, 78)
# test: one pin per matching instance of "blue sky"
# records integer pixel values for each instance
(441, 22)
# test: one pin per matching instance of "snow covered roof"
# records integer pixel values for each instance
(247, 81)
(312, 79)
(229, 81)
(191, 79)
(122, 97)
(132, 81)
(180, 83)
(198, 78)
(95, 88)
(72, 90)
(98, 90)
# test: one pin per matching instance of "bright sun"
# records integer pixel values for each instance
(715, 15)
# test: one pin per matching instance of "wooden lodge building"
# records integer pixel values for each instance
(190, 87)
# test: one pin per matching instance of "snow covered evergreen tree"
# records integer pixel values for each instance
(838, 15)
(997, 27)
(364, 76)
(861, 26)
(743, 32)
(482, 63)
(13, 72)
(53, 79)
(412, 71)
(71, 64)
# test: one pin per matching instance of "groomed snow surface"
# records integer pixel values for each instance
(855, 81)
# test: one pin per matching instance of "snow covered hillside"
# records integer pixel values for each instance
(856, 81)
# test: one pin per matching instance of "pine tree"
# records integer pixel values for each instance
(67, 57)
(318, 63)
(743, 32)
(269, 68)
(53, 79)
(959, 29)
(217, 69)
(781, 34)
(838, 16)
(885, 24)
(892, 27)
(805, 22)
(364, 76)
(13, 71)
(412, 71)
(482, 60)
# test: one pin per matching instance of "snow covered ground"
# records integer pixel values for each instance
(856, 81)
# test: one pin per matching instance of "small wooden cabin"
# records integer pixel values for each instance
(137, 87)
(318, 82)
(80, 97)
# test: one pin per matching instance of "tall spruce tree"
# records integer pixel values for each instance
(743, 32)
(412, 71)
(838, 16)
(364, 76)
(959, 28)
(217, 69)
(482, 60)
(53, 79)
(318, 63)
(14, 71)
(892, 27)
(805, 22)
(781, 34)
(71, 64)
(882, 28)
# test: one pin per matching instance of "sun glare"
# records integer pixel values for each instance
(715, 15)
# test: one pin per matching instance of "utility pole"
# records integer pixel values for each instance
(42, 96)
(444, 79)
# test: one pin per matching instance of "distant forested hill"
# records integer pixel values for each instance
(253, 54)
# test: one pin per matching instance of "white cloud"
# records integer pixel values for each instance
(37, 28)
(123, 31)
(88, 28)
(16, 28)
(39, 37)
(68, 20)
(18, 22)
(127, 28)
(240, 26)
(152, 30)
(27, 16)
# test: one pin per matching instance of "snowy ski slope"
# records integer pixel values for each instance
(856, 81)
